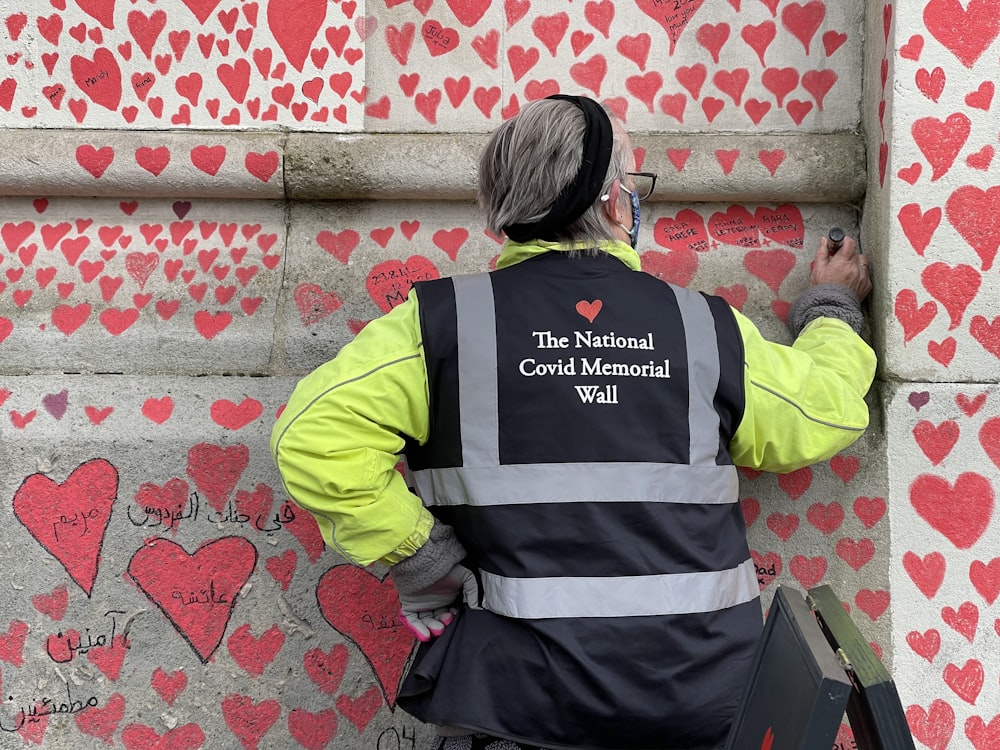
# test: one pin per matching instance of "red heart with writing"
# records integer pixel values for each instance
(99, 78)
(686, 231)
(389, 282)
(782, 225)
(69, 519)
(357, 604)
(196, 592)
(960, 511)
(326, 669)
(673, 17)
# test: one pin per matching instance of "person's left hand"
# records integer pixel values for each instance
(426, 613)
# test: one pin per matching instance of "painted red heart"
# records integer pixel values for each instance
(357, 604)
(52, 605)
(970, 405)
(340, 245)
(770, 266)
(768, 567)
(94, 160)
(101, 10)
(12, 643)
(985, 578)
(964, 620)
(168, 685)
(249, 721)
(804, 20)
(673, 17)
(326, 669)
(808, 571)
(983, 736)
(389, 282)
(783, 525)
(99, 78)
(967, 31)
(142, 737)
(936, 441)
(932, 728)
(102, 721)
(361, 710)
(873, 603)
(294, 25)
(926, 644)
(196, 592)
(796, 483)
(960, 511)
(826, 517)
(233, 416)
(940, 141)
(954, 287)
(211, 324)
(451, 240)
(782, 225)
(589, 309)
(677, 266)
(110, 658)
(314, 731)
(919, 226)
(975, 214)
(262, 165)
(913, 319)
(216, 470)
(855, 552)
(69, 519)
(989, 438)
(686, 231)
(251, 653)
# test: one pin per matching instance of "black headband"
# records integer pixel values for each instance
(580, 194)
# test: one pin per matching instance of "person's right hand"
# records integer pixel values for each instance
(426, 613)
(848, 266)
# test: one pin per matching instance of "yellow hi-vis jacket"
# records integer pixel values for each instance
(338, 440)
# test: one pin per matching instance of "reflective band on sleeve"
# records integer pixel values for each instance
(704, 372)
(624, 596)
(477, 370)
(564, 483)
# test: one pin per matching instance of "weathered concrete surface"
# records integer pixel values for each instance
(171, 588)
(792, 167)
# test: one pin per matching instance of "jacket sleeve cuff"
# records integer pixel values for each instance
(430, 563)
(826, 301)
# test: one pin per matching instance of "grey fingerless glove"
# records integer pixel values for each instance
(440, 553)
(826, 301)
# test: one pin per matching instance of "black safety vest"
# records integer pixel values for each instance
(580, 418)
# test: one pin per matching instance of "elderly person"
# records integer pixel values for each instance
(573, 555)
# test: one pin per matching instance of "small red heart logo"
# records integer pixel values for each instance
(589, 310)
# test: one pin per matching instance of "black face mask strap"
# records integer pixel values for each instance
(585, 189)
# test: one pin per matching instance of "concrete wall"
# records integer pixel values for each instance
(202, 200)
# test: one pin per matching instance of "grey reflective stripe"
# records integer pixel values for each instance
(477, 370)
(566, 483)
(703, 375)
(621, 596)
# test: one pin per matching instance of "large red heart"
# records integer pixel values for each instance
(198, 592)
(954, 287)
(975, 214)
(932, 728)
(99, 78)
(673, 17)
(294, 24)
(966, 32)
(961, 512)
(69, 519)
(366, 610)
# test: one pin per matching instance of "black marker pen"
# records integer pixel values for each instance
(836, 239)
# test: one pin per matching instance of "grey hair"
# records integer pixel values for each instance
(532, 157)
